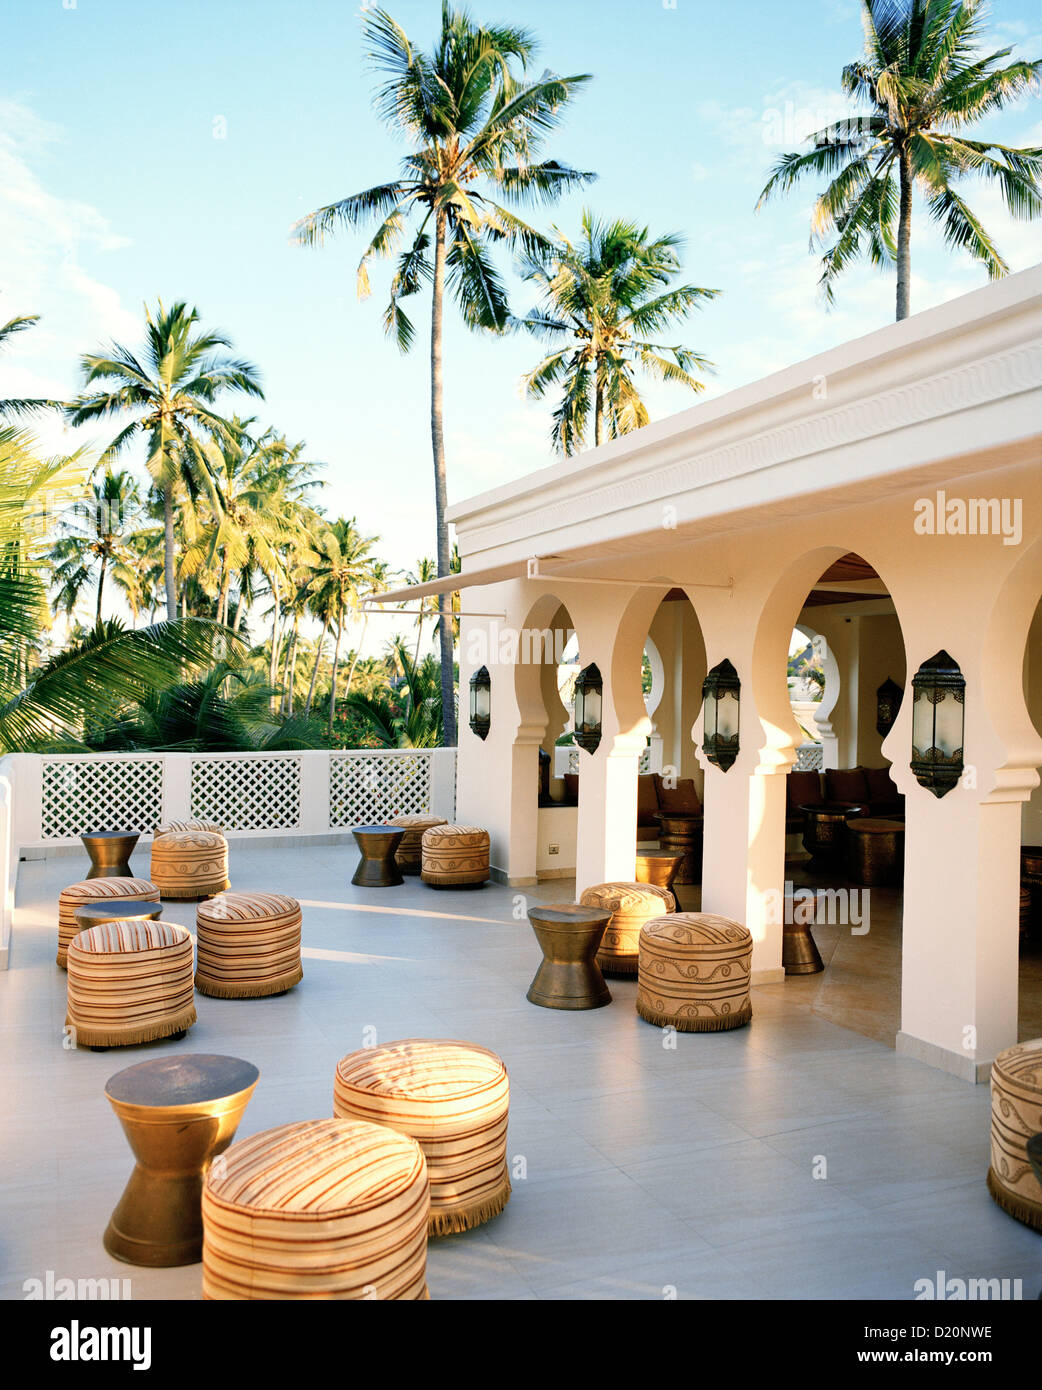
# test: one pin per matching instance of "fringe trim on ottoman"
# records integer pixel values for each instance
(218, 989)
(175, 895)
(696, 1025)
(449, 1222)
(1023, 1208)
(618, 965)
(127, 1037)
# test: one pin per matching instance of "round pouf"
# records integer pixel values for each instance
(129, 982)
(1016, 1115)
(454, 856)
(94, 890)
(318, 1209)
(694, 972)
(175, 827)
(248, 945)
(630, 905)
(408, 856)
(190, 864)
(453, 1098)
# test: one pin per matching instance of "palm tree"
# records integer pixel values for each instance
(94, 533)
(475, 126)
(925, 78)
(599, 300)
(377, 580)
(426, 570)
(340, 570)
(170, 394)
(137, 571)
(408, 716)
(52, 700)
(24, 406)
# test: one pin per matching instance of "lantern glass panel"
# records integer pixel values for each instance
(727, 714)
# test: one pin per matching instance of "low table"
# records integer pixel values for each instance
(178, 1114)
(96, 914)
(682, 835)
(825, 829)
(109, 852)
(570, 937)
(875, 851)
(658, 869)
(377, 867)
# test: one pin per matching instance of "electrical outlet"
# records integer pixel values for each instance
(554, 849)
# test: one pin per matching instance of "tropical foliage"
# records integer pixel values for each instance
(923, 80)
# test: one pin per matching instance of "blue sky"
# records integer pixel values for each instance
(114, 191)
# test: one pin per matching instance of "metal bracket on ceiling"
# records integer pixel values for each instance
(556, 576)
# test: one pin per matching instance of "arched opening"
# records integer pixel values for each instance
(1030, 921)
(546, 666)
(844, 863)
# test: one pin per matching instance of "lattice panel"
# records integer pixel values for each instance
(261, 793)
(808, 757)
(369, 790)
(101, 794)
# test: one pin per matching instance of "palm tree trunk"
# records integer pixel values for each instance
(354, 663)
(240, 605)
(448, 694)
(222, 596)
(168, 555)
(419, 634)
(291, 647)
(314, 669)
(598, 406)
(292, 670)
(336, 663)
(904, 239)
(101, 585)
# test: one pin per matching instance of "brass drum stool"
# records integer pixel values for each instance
(318, 1209)
(130, 982)
(190, 864)
(455, 856)
(96, 890)
(630, 905)
(452, 1098)
(178, 1114)
(694, 972)
(409, 854)
(659, 869)
(570, 936)
(875, 851)
(1016, 1115)
(682, 834)
(825, 827)
(377, 867)
(109, 852)
(248, 945)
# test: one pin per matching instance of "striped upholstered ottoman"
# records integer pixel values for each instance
(455, 856)
(319, 1209)
(409, 853)
(248, 945)
(1016, 1115)
(130, 982)
(694, 972)
(630, 905)
(453, 1097)
(190, 864)
(93, 890)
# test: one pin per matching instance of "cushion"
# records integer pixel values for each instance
(130, 982)
(249, 945)
(453, 1098)
(190, 863)
(846, 784)
(631, 905)
(880, 784)
(95, 890)
(803, 789)
(319, 1209)
(172, 827)
(694, 972)
(454, 855)
(682, 800)
(647, 800)
(1016, 1115)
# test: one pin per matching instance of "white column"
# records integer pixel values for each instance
(177, 786)
(314, 793)
(443, 783)
(607, 838)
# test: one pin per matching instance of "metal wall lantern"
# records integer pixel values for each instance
(481, 702)
(721, 695)
(589, 689)
(888, 705)
(938, 723)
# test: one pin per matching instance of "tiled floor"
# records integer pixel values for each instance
(792, 1158)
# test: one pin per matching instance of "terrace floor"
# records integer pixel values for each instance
(648, 1172)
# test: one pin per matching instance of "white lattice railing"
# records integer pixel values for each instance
(57, 798)
(808, 757)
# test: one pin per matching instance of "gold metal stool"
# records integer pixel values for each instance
(569, 977)
(377, 867)
(109, 852)
(178, 1114)
(658, 869)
